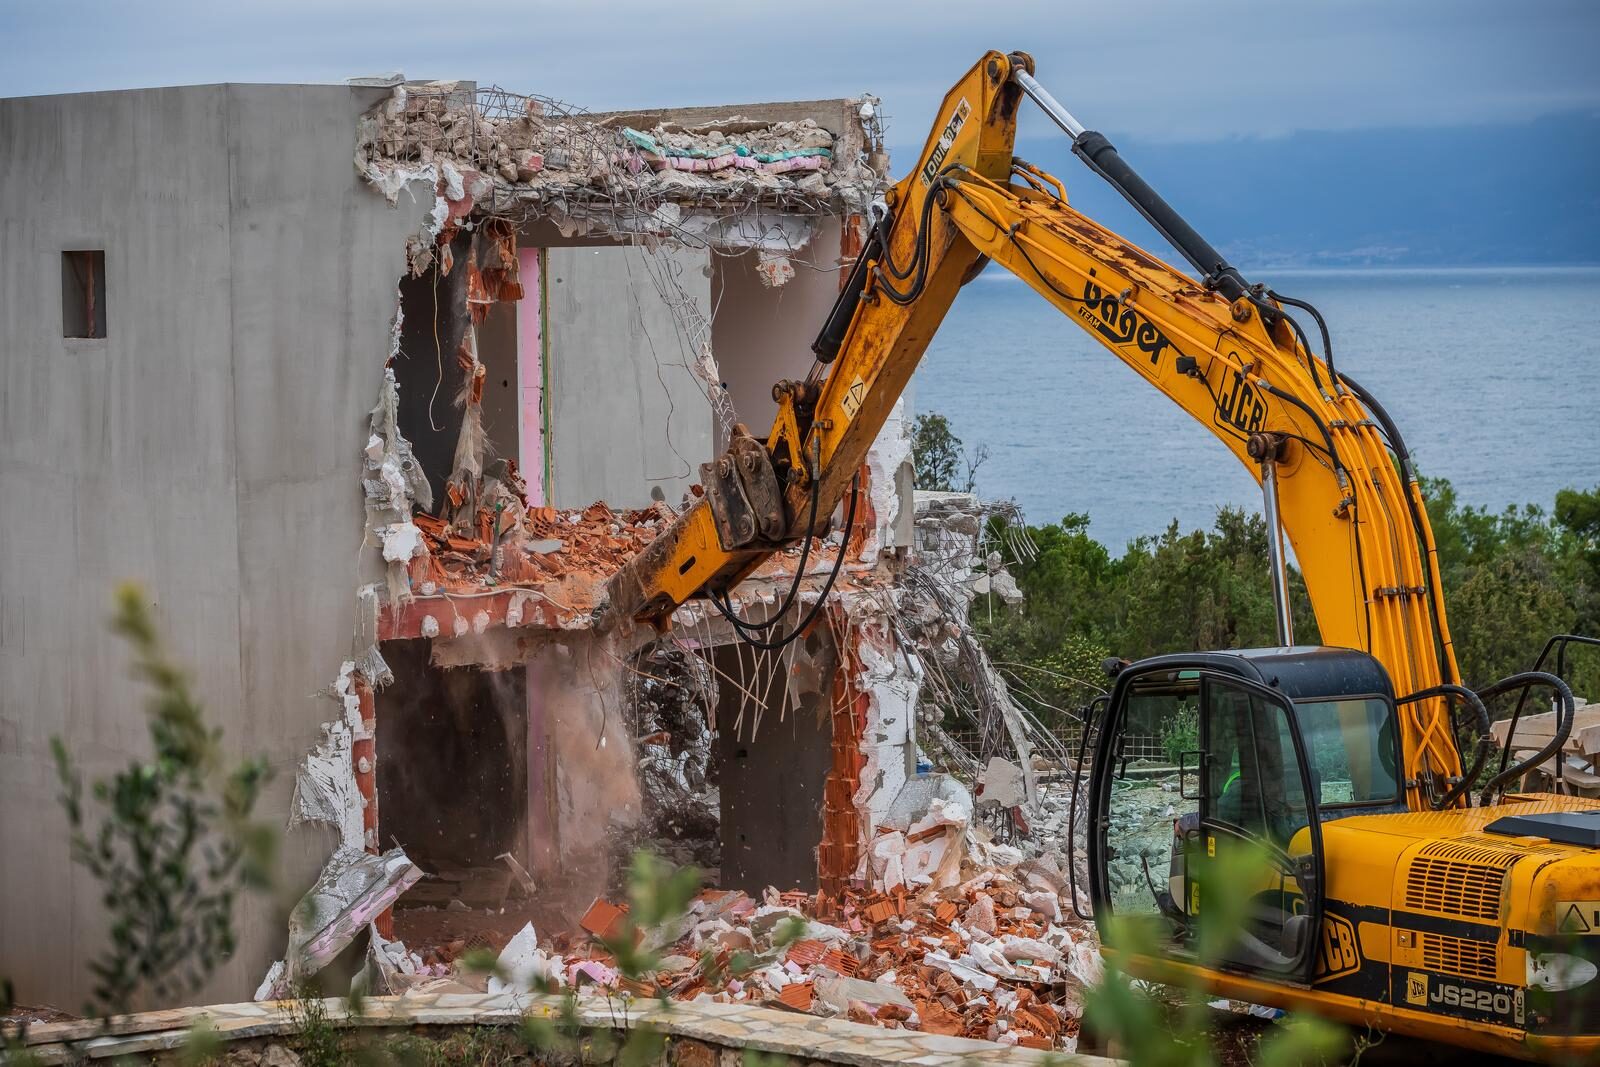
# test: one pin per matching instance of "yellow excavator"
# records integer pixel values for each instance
(1393, 900)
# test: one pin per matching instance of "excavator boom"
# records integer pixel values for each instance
(1221, 349)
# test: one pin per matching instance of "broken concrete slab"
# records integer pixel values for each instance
(1001, 784)
(522, 965)
(839, 993)
(353, 889)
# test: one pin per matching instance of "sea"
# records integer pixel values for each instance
(1491, 374)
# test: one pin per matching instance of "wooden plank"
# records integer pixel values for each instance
(1534, 730)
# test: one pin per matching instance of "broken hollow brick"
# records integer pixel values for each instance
(364, 757)
(841, 963)
(603, 919)
(807, 952)
(797, 995)
(879, 911)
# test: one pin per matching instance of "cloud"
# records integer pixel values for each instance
(1152, 69)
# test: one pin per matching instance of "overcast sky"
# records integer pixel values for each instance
(1163, 69)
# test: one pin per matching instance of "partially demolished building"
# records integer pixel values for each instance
(380, 433)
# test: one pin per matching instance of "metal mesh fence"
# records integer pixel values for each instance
(1136, 746)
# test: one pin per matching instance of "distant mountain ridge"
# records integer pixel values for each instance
(1525, 194)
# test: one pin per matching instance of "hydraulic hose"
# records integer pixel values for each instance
(1322, 324)
(1485, 740)
(1408, 471)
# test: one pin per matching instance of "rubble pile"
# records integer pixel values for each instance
(508, 148)
(501, 543)
(552, 562)
(1140, 836)
(997, 956)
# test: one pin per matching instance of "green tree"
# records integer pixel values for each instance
(1578, 512)
(1060, 587)
(1503, 611)
(1169, 593)
(1205, 590)
(941, 464)
(1514, 578)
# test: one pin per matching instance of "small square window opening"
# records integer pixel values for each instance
(83, 293)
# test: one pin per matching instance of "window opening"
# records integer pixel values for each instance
(83, 293)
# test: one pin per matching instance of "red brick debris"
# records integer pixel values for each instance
(516, 566)
(991, 958)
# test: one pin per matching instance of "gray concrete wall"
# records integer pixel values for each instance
(627, 414)
(761, 334)
(207, 447)
(502, 397)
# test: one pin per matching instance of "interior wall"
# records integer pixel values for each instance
(497, 351)
(761, 333)
(452, 760)
(434, 305)
(772, 773)
(627, 415)
(530, 373)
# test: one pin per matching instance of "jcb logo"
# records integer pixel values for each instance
(1240, 405)
(1339, 956)
(1416, 988)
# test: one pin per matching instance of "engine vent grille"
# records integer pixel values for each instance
(1459, 955)
(1458, 879)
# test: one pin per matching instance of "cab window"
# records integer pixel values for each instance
(1351, 747)
(1255, 782)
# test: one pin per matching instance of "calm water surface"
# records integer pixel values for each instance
(1493, 376)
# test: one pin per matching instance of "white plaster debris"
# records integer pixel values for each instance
(523, 963)
(723, 416)
(402, 541)
(890, 481)
(325, 787)
(891, 680)
(344, 690)
(273, 978)
(1001, 784)
(391, 968)
(774, 268)
(952, 558)
(353, 888)
(393, 483)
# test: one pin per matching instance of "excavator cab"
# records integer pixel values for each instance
(1267, 744)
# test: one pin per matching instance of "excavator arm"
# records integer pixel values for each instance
(1332, 463)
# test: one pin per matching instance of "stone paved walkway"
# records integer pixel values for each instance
(805, 1038)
